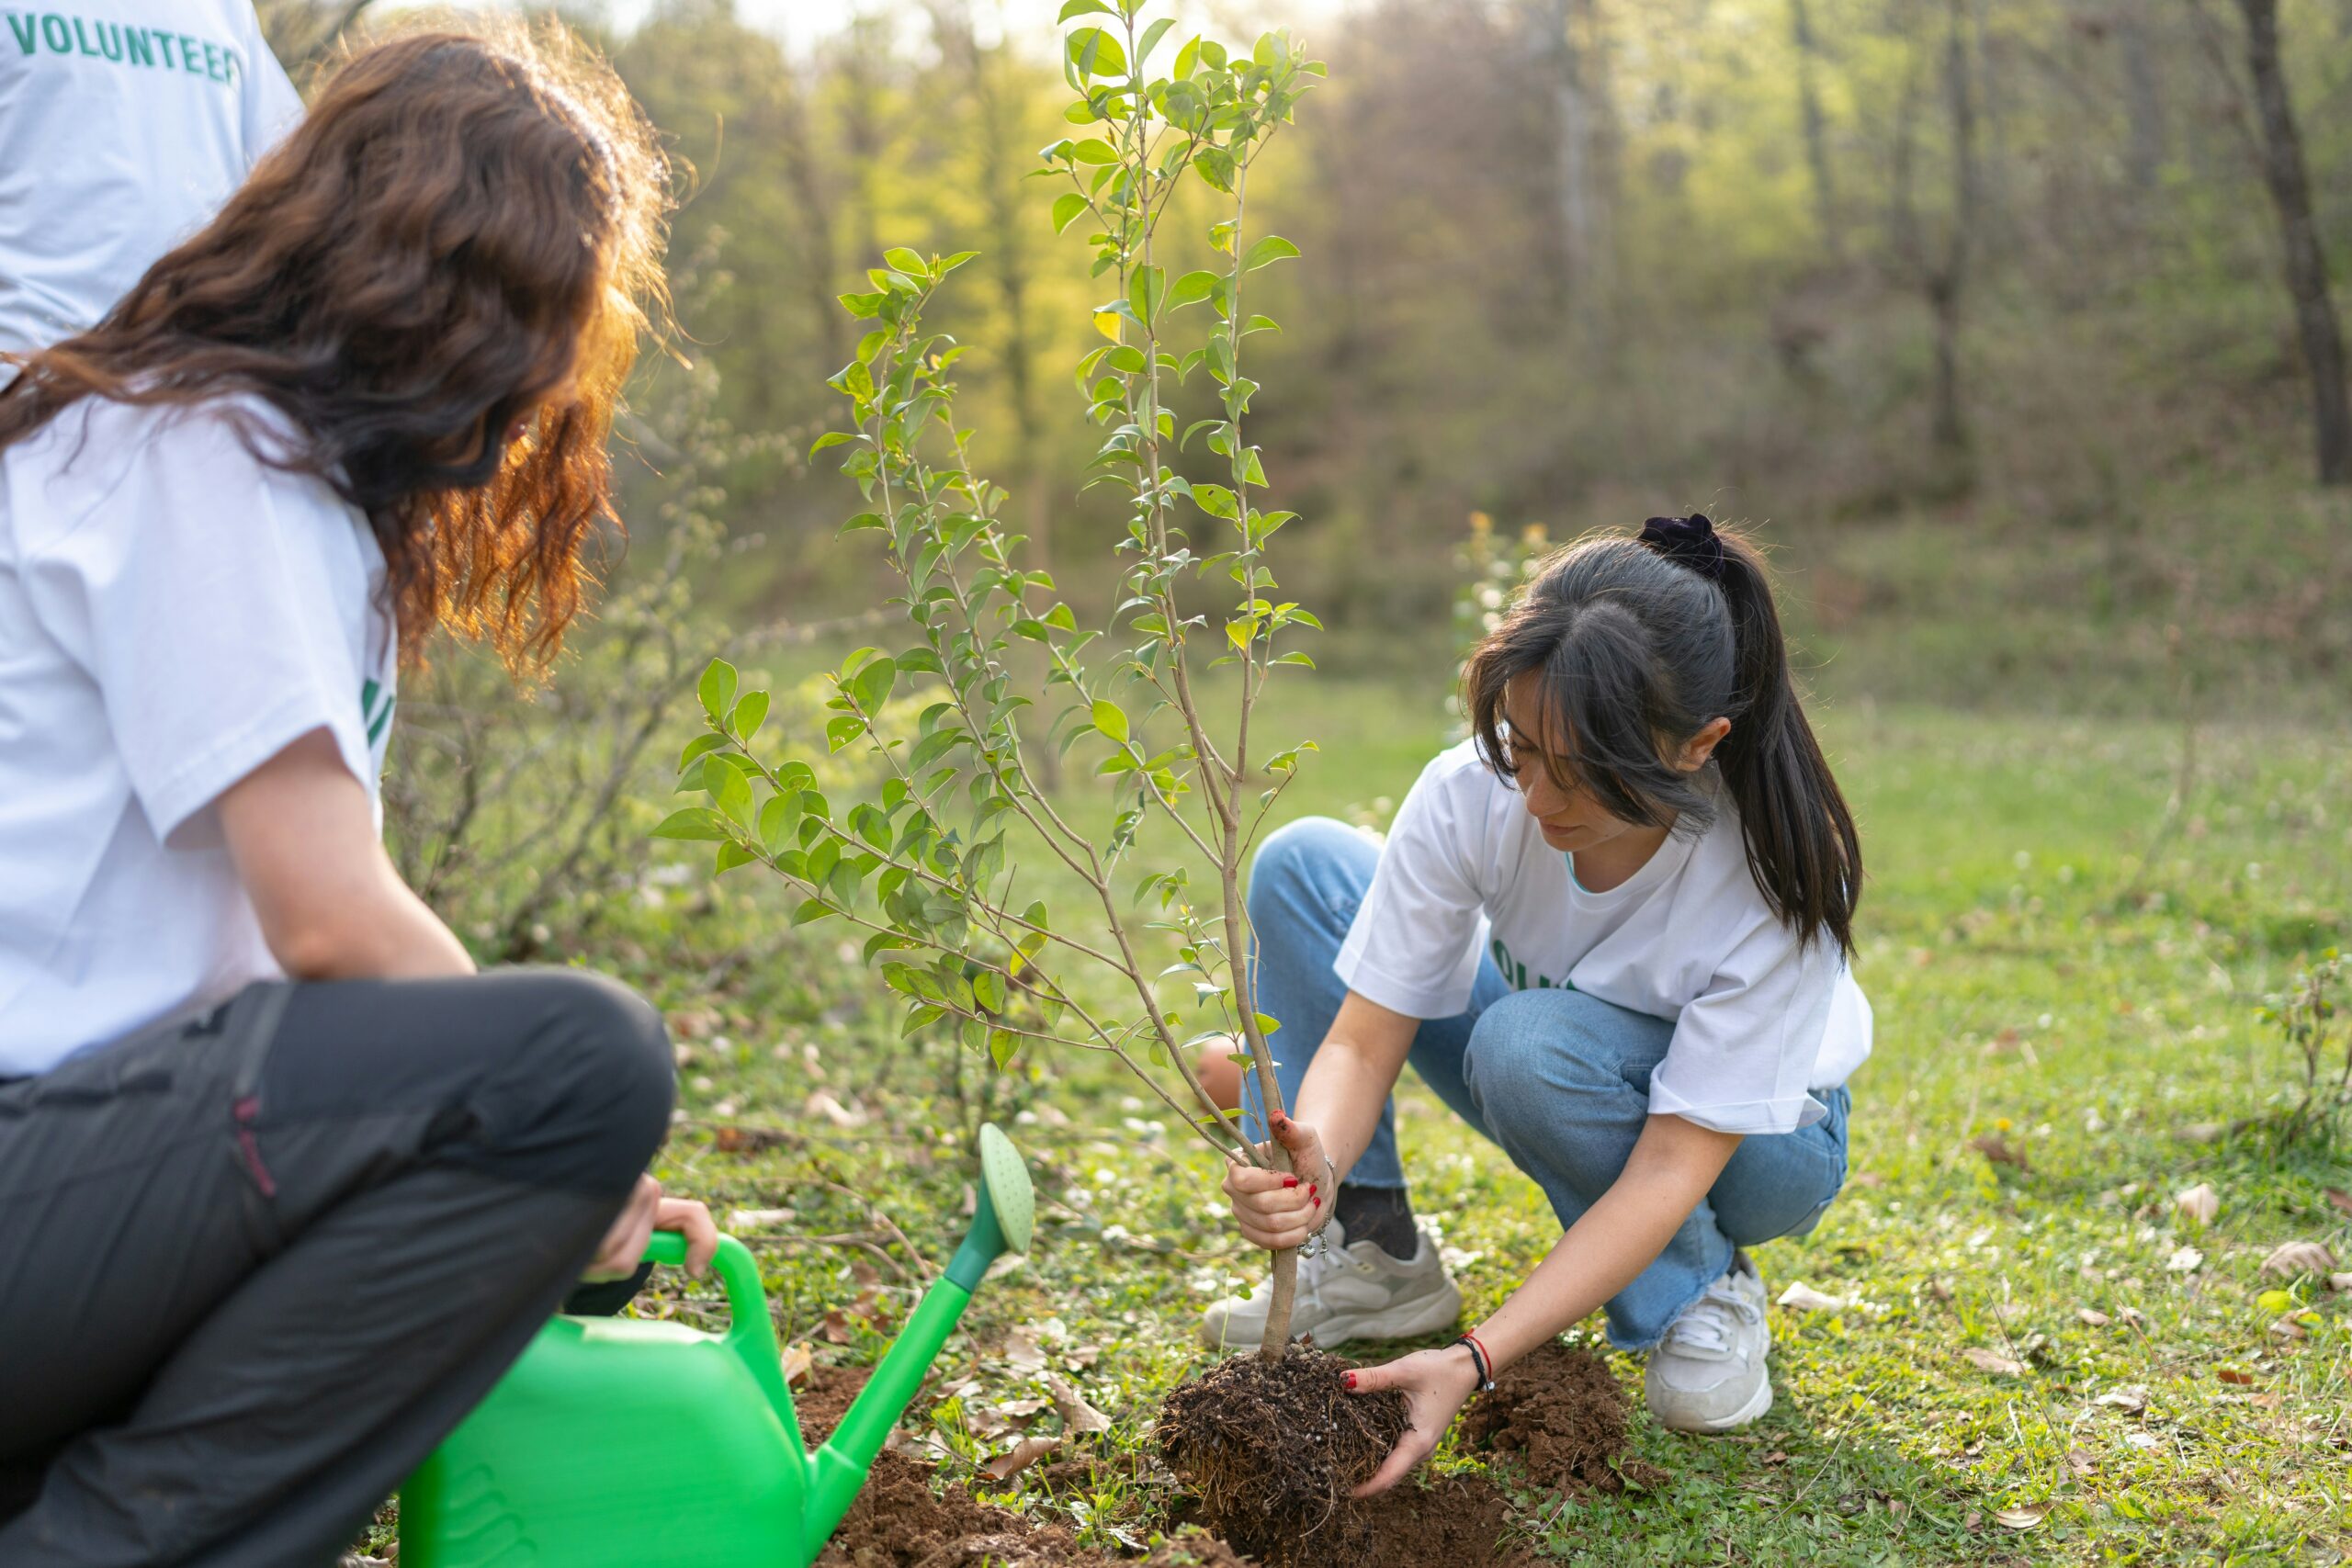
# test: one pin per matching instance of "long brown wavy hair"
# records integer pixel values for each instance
(463, 233)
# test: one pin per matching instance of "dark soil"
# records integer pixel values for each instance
(1566, 1414)
(1456, 1521)
(1272, 1448)
(899, 1522)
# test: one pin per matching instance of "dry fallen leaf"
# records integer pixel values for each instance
(2267, 1401)
(1802, 1297)
(2081, 1462)
(2133, 1399)
(1021, 1352)
(2184, 1260)
(1985, 1361)
(1776, 1457)
(797, 1359)
(747, 1219)
(1079, 1416)
(2000, 1151)
(1020, 1456)
(2232, 1375)
(2022, 1519)
(2288, 1329)
(2340, 1198)
(2203, 1132)
(2292, 1257)
(2199, 1203)
(734, 1140)
(2093, 1316)
(2339, 1281)
(820, 1103)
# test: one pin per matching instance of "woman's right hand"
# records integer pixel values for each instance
(1276, 1210)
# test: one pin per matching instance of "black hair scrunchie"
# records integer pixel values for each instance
(1687, 541)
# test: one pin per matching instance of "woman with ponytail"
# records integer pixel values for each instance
(1610, 932)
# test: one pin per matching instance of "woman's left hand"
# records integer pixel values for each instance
(1435, 1383)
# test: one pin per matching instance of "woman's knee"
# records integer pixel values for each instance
(1532, 1048)
(602, 1058)
(1300, 867)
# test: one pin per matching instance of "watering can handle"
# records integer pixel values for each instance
(738, 1271)
(750, 1333)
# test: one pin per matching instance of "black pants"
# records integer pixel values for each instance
(253, 1266)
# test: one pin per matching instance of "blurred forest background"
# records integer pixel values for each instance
(2007, 320)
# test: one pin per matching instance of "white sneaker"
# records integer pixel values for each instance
(1346, 1293)
(1707, 1374)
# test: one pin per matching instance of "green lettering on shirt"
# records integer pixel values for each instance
(1515, 972)
(88, 37)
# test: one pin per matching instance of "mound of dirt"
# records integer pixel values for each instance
(1272, 1448)
(1456, 1521)
(899, 1522)
(1566, 1414)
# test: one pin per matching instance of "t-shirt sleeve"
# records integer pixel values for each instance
(272, 106)
(1413, 946)
(1744, 1049)
(199, 594)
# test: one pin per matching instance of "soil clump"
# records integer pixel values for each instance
(1567, 1416)
(899, 1522)
(1272, 1448)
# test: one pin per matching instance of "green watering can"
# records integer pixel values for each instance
(620, 1443)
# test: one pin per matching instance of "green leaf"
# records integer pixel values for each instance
(1095, 52)
(731, 855)
(1192, 289)
(1272, 248)
(1109, 719)
(1093, 153)
(871, 685)
(750, 714)
(1066, 208)
(1085, 8)
(693, 822)
(697, 746)
(718, 690)
(907, 261)
(728, 788)
(1002, 1044)
(831, 438)
(1267, 1025)
(1145, 291)
(810, 909)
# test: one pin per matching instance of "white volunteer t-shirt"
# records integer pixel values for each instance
(1759, 1020)
(124, 124)
(173, 613)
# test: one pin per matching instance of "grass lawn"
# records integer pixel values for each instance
(2038, 980)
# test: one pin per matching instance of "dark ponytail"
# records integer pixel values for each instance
(1640, 643)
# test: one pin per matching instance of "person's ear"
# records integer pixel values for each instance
(1702, 746)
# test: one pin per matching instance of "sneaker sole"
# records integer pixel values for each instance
(1752, 1410)
(1442, 1311)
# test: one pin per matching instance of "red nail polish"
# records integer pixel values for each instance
(1290, 1181)
(1313, 1191)
(1350, 1381)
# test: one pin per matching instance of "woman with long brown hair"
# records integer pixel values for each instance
(287, 1184)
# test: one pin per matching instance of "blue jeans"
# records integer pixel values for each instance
(1559, 1079)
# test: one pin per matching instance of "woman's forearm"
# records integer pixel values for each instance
(1672, 1169)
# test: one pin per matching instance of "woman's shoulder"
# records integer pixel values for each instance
(106, 457)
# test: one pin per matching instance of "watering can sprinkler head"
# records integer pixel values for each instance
(1005, 1214)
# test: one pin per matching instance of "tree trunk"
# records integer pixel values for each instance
(2306, 266)
(1817, 127)
(2143, 103)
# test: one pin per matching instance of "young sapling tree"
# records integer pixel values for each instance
(932, 867)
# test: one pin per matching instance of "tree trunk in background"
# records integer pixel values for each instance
(1570, 40)
(821, 261)
(1949, 282)
(1006, 250)
(1817, 128)
(1982, 83)
(2143, 103)
(2306, 267)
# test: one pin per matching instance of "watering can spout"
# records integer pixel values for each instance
(1001, 1221)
